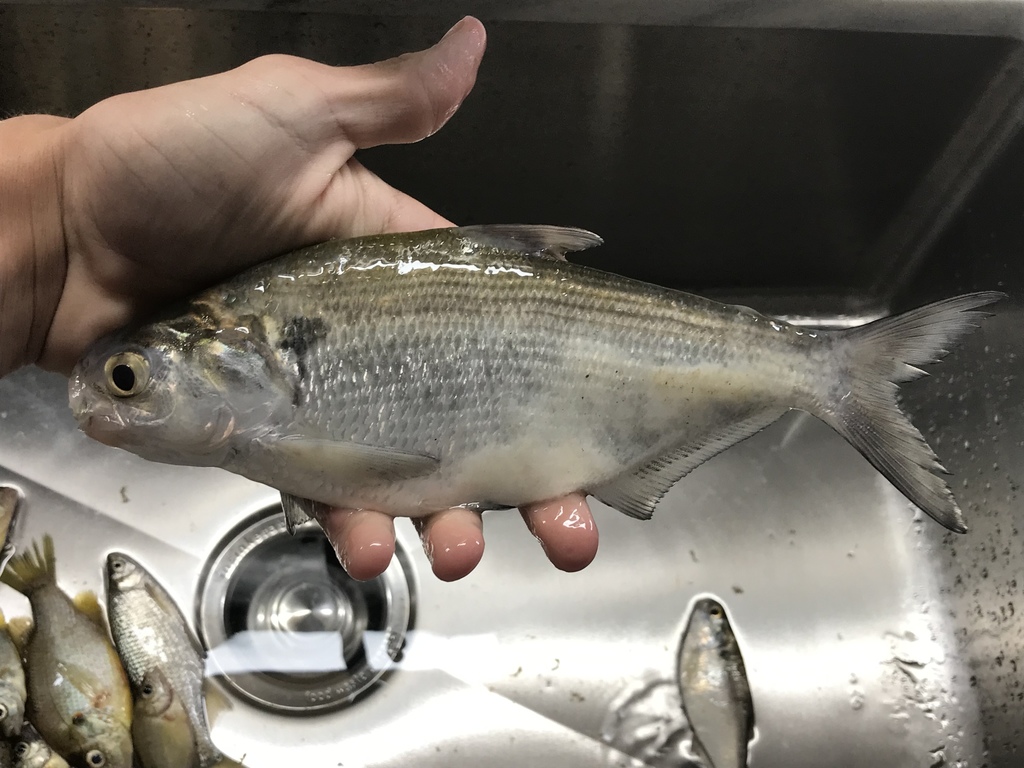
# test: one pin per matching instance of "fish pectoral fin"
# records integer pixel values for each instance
(637, 494)
(88, 604)
(541, 240)
(354, 463)
(88, 684)
(298, 510)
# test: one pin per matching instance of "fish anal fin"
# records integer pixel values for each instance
(637, 494)
(88, 604)
(298, 511)
(541, 240)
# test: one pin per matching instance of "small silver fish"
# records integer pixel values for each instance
(31, 751)
(12, 684)
(165, 665)
(714, 689)
(410, 373)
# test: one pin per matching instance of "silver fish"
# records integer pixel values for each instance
(714, 689)
(31, 751)
(414, 372)
(12, 684)
(165, 666)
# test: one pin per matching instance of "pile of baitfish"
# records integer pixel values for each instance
(72, 693)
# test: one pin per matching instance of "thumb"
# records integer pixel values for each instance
(408, 98)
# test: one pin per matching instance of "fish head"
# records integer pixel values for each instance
(709, 626)
(179, 391)
(103, 742)
(154, 696)
(123, 573)
(12, 710)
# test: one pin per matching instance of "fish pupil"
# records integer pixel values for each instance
(147, 690)
(123, 377)
(20, 748)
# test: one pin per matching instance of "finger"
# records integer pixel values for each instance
(364, 541)
(408, 98)
(565, 529)
(397, 101)
(453, 541)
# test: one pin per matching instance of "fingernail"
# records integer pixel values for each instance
(342, 556)
(457, 25)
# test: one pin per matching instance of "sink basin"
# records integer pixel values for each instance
(830, 170)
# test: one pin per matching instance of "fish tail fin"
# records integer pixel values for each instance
(862, 405)
(32, 569)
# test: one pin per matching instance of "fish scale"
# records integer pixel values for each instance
(413, 372)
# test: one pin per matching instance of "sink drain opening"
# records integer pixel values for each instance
(288, 630)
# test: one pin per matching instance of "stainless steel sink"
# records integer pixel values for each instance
(828, 167)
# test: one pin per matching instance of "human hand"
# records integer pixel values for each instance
(165, 191)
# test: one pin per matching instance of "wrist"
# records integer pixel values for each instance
(33, 260)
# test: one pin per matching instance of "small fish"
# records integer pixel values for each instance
(410, 373)
(714, 689)
(78, 695)
(161, 727)
(31, 751)
(165, 665)
(12, 684)
(10, 503)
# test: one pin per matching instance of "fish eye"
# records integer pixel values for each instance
(21, 748)
(127, 374)
(147, 690)
(78, 719)
(715, 611)
(3, 712)
(95, 758)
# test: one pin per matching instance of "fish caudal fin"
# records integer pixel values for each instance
(872, 361)
(32, 569)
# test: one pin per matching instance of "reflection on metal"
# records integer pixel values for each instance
(992, 124)
(288, 629)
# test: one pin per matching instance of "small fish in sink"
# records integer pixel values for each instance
(161, 727)
(165, 664)
(31, 751)
(410, 373)
(78, 696)
(714, 689)
(12, 684)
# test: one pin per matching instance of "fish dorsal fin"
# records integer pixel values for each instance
(638, 493)
(349, 463)
(541, 240)
(298, 510)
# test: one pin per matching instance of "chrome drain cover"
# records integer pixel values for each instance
(288, 629)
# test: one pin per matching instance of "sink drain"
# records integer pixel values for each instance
(288, 629)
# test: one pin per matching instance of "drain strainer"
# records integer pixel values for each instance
(288, 629)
